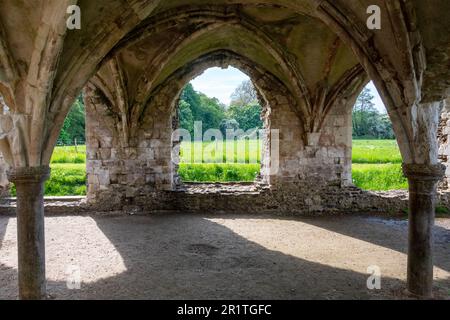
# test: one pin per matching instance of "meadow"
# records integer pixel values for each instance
(376, 165)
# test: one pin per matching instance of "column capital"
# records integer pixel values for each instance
(430, 172)
(29, 174)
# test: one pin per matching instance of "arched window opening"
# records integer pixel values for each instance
(376, 159)
(221, 116)
(68, 162)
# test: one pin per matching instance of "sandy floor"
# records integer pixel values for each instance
(227, 257)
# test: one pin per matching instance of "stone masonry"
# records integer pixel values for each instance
(308, 58)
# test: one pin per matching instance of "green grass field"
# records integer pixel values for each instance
(67, 179)
(68, 154)
(246, 151)
(379, 177)
(376, 165)
(376, 151)
(213, 172)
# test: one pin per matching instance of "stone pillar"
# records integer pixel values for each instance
(30, 230)
(423, 180)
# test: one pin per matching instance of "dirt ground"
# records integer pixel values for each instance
(223, 257)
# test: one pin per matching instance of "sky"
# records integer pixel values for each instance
(221, 83)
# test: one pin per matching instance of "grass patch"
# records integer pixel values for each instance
(442, 211)
(69, 154)
(218, 172)
(238, 151)
(379, 177)
(376, 151)
(65, 180)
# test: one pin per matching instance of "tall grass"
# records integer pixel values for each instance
(65, 180)
(379, 177)
(376, 151)
(69, 154)
(238, 151)
(219, 172)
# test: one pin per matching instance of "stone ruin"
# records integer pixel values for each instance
(308, 59)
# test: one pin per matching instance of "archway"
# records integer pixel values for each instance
(407, 59)
(222, 129)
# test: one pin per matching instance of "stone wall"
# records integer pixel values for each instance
(314, 169)
(444, 143)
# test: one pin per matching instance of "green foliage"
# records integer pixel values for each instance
(218, 172)
(237, 151)
(228, 124)
(69, 154)
(65, 180)
(74, 124)
(244, 113)
(247, 116)
(196, 106)
(379, 177)
(186, 117)
(211, 112)
(191, 97)
(442, 211)
(367, 121)
(376, 151)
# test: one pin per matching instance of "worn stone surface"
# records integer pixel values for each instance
(444, 143)
(204, 256)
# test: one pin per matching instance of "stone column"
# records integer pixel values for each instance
(423, 180)
(30, 229)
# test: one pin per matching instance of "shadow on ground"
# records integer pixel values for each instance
(192, 257)
(391, 233)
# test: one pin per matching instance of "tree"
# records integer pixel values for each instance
(362, 112)
(195, 106)
(74, 125)
(190, 96)
(244, 113)
(228, 124)
(186, 117)
(244, 94)
(367, 121)
(248, 116)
